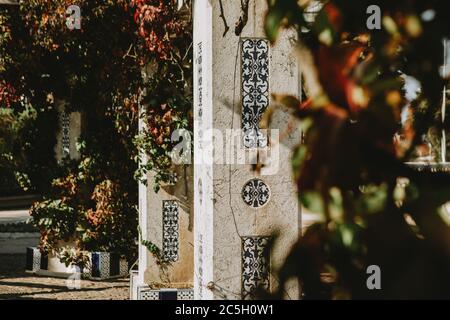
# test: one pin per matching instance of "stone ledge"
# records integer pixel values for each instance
(18, 201)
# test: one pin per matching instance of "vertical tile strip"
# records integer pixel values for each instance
(256, 193)
(104, 265)
(255, 89)
(170, 230)
(123, 267)
(200, 80)
(65, 129)
(200, 92)
(255, 266)
(185, 294)
(33, 259)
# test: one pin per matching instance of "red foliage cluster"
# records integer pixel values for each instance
(105, 195)
(159, 121)
(67, 186)
(157, 25)
(7, 94)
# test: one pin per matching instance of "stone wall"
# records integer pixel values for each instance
(170, 226)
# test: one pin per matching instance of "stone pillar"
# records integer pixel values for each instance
(170, 227)
(166, 222)
(237, 209)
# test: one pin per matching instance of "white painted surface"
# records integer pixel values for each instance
(222, 218)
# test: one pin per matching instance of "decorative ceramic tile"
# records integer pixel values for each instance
(33, 259)
(256, 193)
(200, 79)
(100, 265)
(65, 130)
(147, 294)
(185, 294)
(200, 93)
(170, 230)
(36, 260)
(200, 266)
(123, 267)
(200, 191)
(255, 265)
(255, 90)
(104, 265)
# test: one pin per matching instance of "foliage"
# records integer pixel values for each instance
(97, 71)
(11, 126)
(168, 74)
(159, 27)
(27, 152)
(48, 64)
(56, 220)
(155, 251)
(73, 256)
(349, 167)
(23, 165)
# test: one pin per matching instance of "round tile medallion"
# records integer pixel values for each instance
(256, 193)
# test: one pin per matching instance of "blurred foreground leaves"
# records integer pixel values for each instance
(351, 167)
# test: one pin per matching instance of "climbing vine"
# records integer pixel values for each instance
(167, 33)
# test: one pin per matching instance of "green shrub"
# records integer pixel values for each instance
(55, 220)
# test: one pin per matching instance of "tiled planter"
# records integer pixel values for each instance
(102, 266)
(145, 293)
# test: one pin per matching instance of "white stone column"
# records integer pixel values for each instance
(203, 174)
(238, 209)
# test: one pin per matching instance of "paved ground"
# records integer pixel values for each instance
(16, 284)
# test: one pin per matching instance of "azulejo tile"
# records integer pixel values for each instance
(256, 193)
(65, 130)
(255, 265)
(255, 90)
(170, 231)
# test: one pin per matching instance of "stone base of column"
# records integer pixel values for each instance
(144, 292)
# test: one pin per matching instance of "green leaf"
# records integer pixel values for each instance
(273, 23)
